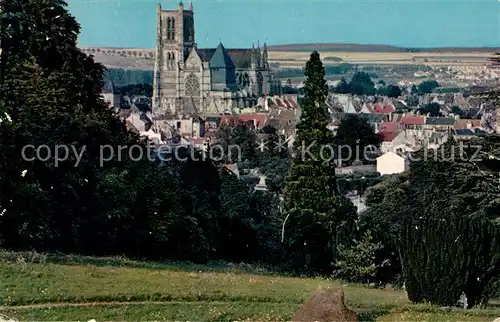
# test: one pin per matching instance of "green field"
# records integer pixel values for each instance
(38, 287)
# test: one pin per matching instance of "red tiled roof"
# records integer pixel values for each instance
(294, 103)
(413, 120)
(287, 103)
(258, 120)
(388, 127)
(462, 124)
(387, 136)
(379, 108)
(279, 102)
(370, 108)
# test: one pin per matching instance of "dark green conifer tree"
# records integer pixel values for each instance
(320, 219)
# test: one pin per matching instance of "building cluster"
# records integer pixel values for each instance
(196, 91)
(474, 73)
(403, 130)
(199, 129)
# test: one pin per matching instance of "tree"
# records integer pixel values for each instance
(433, 109)
(355, 140)
(60, 105)
(427, 87)
(237, 141)
(358, 263)
(342, 87)
(456, 110)
(391, 91)
(274, 161)
(113, 200)
(249, 225)
(137, 89)
(412, 100)
(449, 238)
(362, 84)
(320, 218)
(385, 203)
(289, 88)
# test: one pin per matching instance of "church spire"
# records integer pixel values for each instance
(265, 61)
(253, 58)
(190, 5)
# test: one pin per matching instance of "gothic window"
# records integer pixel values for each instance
(166, 60)
(246, 80)
(169, 27)
(260, 83)
(192, 85)
(172, 36)
(172, 60)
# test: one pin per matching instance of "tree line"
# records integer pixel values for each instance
(125, 77)
(177, 210)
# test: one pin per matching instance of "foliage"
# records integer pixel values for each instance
(391, 91)
(355, 140)
(274, 161)
(125, 77)
(237, 142)
(412, 100)
(342, 87)
(358, 182)
(449, 238)
(137, 89)
(329, 70)
(249, 227)
(433, 109)
(382, 219)
(427, 87)
(320, 218)
(456, 110)
(362, 84)
(106, 200)
(357, 263)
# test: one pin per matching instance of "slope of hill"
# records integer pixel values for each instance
(293, 56)
(40, 287)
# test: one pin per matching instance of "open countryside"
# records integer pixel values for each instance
(135, 57)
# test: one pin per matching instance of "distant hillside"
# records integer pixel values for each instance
(295, 56)
(377, 48)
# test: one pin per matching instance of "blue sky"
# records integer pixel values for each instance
(238, 23)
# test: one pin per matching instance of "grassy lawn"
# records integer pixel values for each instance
(41, 287)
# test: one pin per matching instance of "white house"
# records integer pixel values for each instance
(392, 163)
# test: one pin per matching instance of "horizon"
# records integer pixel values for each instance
(322, 43)
(403, 24)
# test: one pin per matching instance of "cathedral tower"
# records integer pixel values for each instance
(174, 41)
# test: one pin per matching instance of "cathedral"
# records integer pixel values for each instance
(188, 79)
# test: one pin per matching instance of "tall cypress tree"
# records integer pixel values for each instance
(319, 217)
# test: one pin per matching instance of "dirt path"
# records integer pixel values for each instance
(87, 304)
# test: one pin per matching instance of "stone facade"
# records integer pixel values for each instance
(205, 81)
